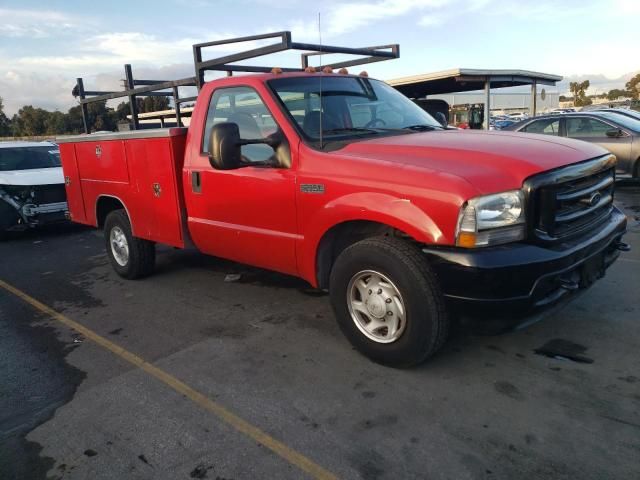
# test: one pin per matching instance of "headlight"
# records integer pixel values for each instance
(491, 220)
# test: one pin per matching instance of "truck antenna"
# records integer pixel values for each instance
(321, 107)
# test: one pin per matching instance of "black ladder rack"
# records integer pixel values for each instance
(140, 88)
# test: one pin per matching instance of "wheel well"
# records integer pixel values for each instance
(343, 235)
(105, 206)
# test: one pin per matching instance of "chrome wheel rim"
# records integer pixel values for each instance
(119, 246)
(376, 306)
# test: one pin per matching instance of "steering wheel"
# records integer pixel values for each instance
(372, 123)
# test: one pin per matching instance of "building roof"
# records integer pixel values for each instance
(25, 144)
(467, 79)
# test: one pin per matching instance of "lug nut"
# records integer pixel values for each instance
(389, 313)
(370, 291)
(379, 291)
(388, 300)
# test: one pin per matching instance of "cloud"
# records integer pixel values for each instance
(627, 6)
(431, 20)
(37, 23)
(44, 90)
(46, 81)
(342, 18)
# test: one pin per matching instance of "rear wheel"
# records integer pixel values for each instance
(131, 257)
(388, 302)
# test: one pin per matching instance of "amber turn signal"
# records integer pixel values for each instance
(466, 239)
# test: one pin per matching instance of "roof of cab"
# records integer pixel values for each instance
(272, 76)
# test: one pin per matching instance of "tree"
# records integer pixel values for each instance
(99, 118)
(122, 110)
(55, 123)
(155, 104)
(616, 93)
(579, 93)
(633, 86)
(30, 121)
(5, 124)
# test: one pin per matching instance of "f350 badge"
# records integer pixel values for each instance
(312, 188)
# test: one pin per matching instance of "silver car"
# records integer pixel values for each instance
(620, 134)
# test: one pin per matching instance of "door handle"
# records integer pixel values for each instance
(196, 185)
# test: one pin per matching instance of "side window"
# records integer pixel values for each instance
(586, 127)
(548, 126)
(243, 106)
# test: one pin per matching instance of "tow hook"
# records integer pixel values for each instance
(623, 247)
(568, 284)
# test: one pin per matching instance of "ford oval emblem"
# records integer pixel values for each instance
(595, 199)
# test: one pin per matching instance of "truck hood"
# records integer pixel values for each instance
(490, 161)
(36, 176)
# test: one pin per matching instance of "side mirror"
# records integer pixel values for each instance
(615, 133)
(224, 146)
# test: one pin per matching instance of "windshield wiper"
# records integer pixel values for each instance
(422, 128)
(351, 129)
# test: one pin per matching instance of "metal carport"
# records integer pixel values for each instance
(469, 79)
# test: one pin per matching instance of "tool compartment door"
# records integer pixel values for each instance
(153, 161)
(73, 187)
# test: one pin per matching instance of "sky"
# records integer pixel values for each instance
(46, 45)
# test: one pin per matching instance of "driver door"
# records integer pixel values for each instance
(246, 214)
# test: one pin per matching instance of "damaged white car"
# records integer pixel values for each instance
(32, 189)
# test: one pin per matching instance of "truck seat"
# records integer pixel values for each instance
(247, 124)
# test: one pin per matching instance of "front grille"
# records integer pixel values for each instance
(44, 194)
(573, 200)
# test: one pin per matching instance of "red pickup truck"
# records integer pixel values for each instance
(344, 182)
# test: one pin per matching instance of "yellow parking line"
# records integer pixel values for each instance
(279, 448)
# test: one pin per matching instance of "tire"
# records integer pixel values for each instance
(397, 266)
(131, 257)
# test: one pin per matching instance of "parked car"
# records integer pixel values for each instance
(501, 124)
(622, 111)
(617, 133)
(32, 191)
(517, 117)
(560, 111)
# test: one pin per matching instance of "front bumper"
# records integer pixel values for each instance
(515, 280)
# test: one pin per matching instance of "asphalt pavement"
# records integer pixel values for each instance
(186, 375)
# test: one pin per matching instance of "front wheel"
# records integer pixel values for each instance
(388, 302)
(131, 257)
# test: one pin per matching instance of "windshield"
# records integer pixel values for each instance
(351, 107)
(28, 158)
(622, 120)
